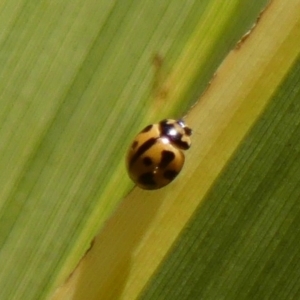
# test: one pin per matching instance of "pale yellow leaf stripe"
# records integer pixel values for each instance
(135, 240)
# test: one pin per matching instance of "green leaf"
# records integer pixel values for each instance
(227, 226)
(77, 84)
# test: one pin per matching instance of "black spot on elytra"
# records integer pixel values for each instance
(147, 161)
(170, 174)
(166, 158)
(146, 129)
(143, 148)
(181, 144)
(147, 179)
(134, 144)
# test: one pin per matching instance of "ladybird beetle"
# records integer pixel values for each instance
(155, 157)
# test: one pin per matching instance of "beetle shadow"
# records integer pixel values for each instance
(106, 266)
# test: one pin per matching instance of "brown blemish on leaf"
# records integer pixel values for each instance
(159, 89)
(247, 34)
